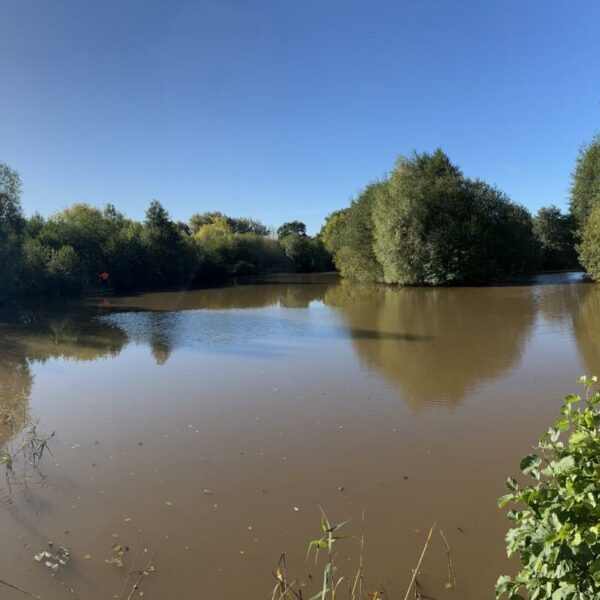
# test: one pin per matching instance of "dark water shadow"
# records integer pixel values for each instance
(368, 334)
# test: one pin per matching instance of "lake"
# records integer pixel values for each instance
(210, 427)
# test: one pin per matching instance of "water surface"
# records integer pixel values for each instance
(210, 425)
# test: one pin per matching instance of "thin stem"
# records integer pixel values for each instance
(414, 575)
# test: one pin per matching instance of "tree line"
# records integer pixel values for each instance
(65, 253)
(428, 224)
(425, 223)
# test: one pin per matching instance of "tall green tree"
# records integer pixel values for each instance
(291, 227)
(12, 225)
(417, 221)
(246, 225)
(351, 237)
(554, 233)
(585, 182)
(333, 229)
(589, 248)
(170, 256)
(198, 220)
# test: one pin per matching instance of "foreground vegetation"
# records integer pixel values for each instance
(557, 514)
(556, 517)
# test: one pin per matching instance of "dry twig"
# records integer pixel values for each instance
(414, 576)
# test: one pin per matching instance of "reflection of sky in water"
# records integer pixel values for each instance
(271, 331)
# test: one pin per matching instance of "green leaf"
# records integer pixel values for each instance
(511, 484)
(563, 465)
(504, 500)
(530, 464)
(503, 585)
(577, 437)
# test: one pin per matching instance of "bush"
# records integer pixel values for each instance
(557, 533)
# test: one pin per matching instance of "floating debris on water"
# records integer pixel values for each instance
(54, 560)
(116, 557)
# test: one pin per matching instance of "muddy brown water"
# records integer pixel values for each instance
(209, 426)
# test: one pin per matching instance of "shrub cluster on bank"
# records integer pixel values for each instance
(428, 224)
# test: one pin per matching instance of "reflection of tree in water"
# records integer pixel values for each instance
(27, 337)
(558, 303)
(162, 335)
(166, 321)
(15, 386)
(290, 292)
(577, 308)
(586, 327)
(436, 344)
(75, 336)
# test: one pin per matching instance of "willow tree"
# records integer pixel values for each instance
(433, 226)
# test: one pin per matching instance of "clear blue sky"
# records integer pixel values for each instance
(284, 109)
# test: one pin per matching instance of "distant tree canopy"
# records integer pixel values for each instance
(292, 227)
(427, 224)
(554, 233)
(65, 253)
(237, 225)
